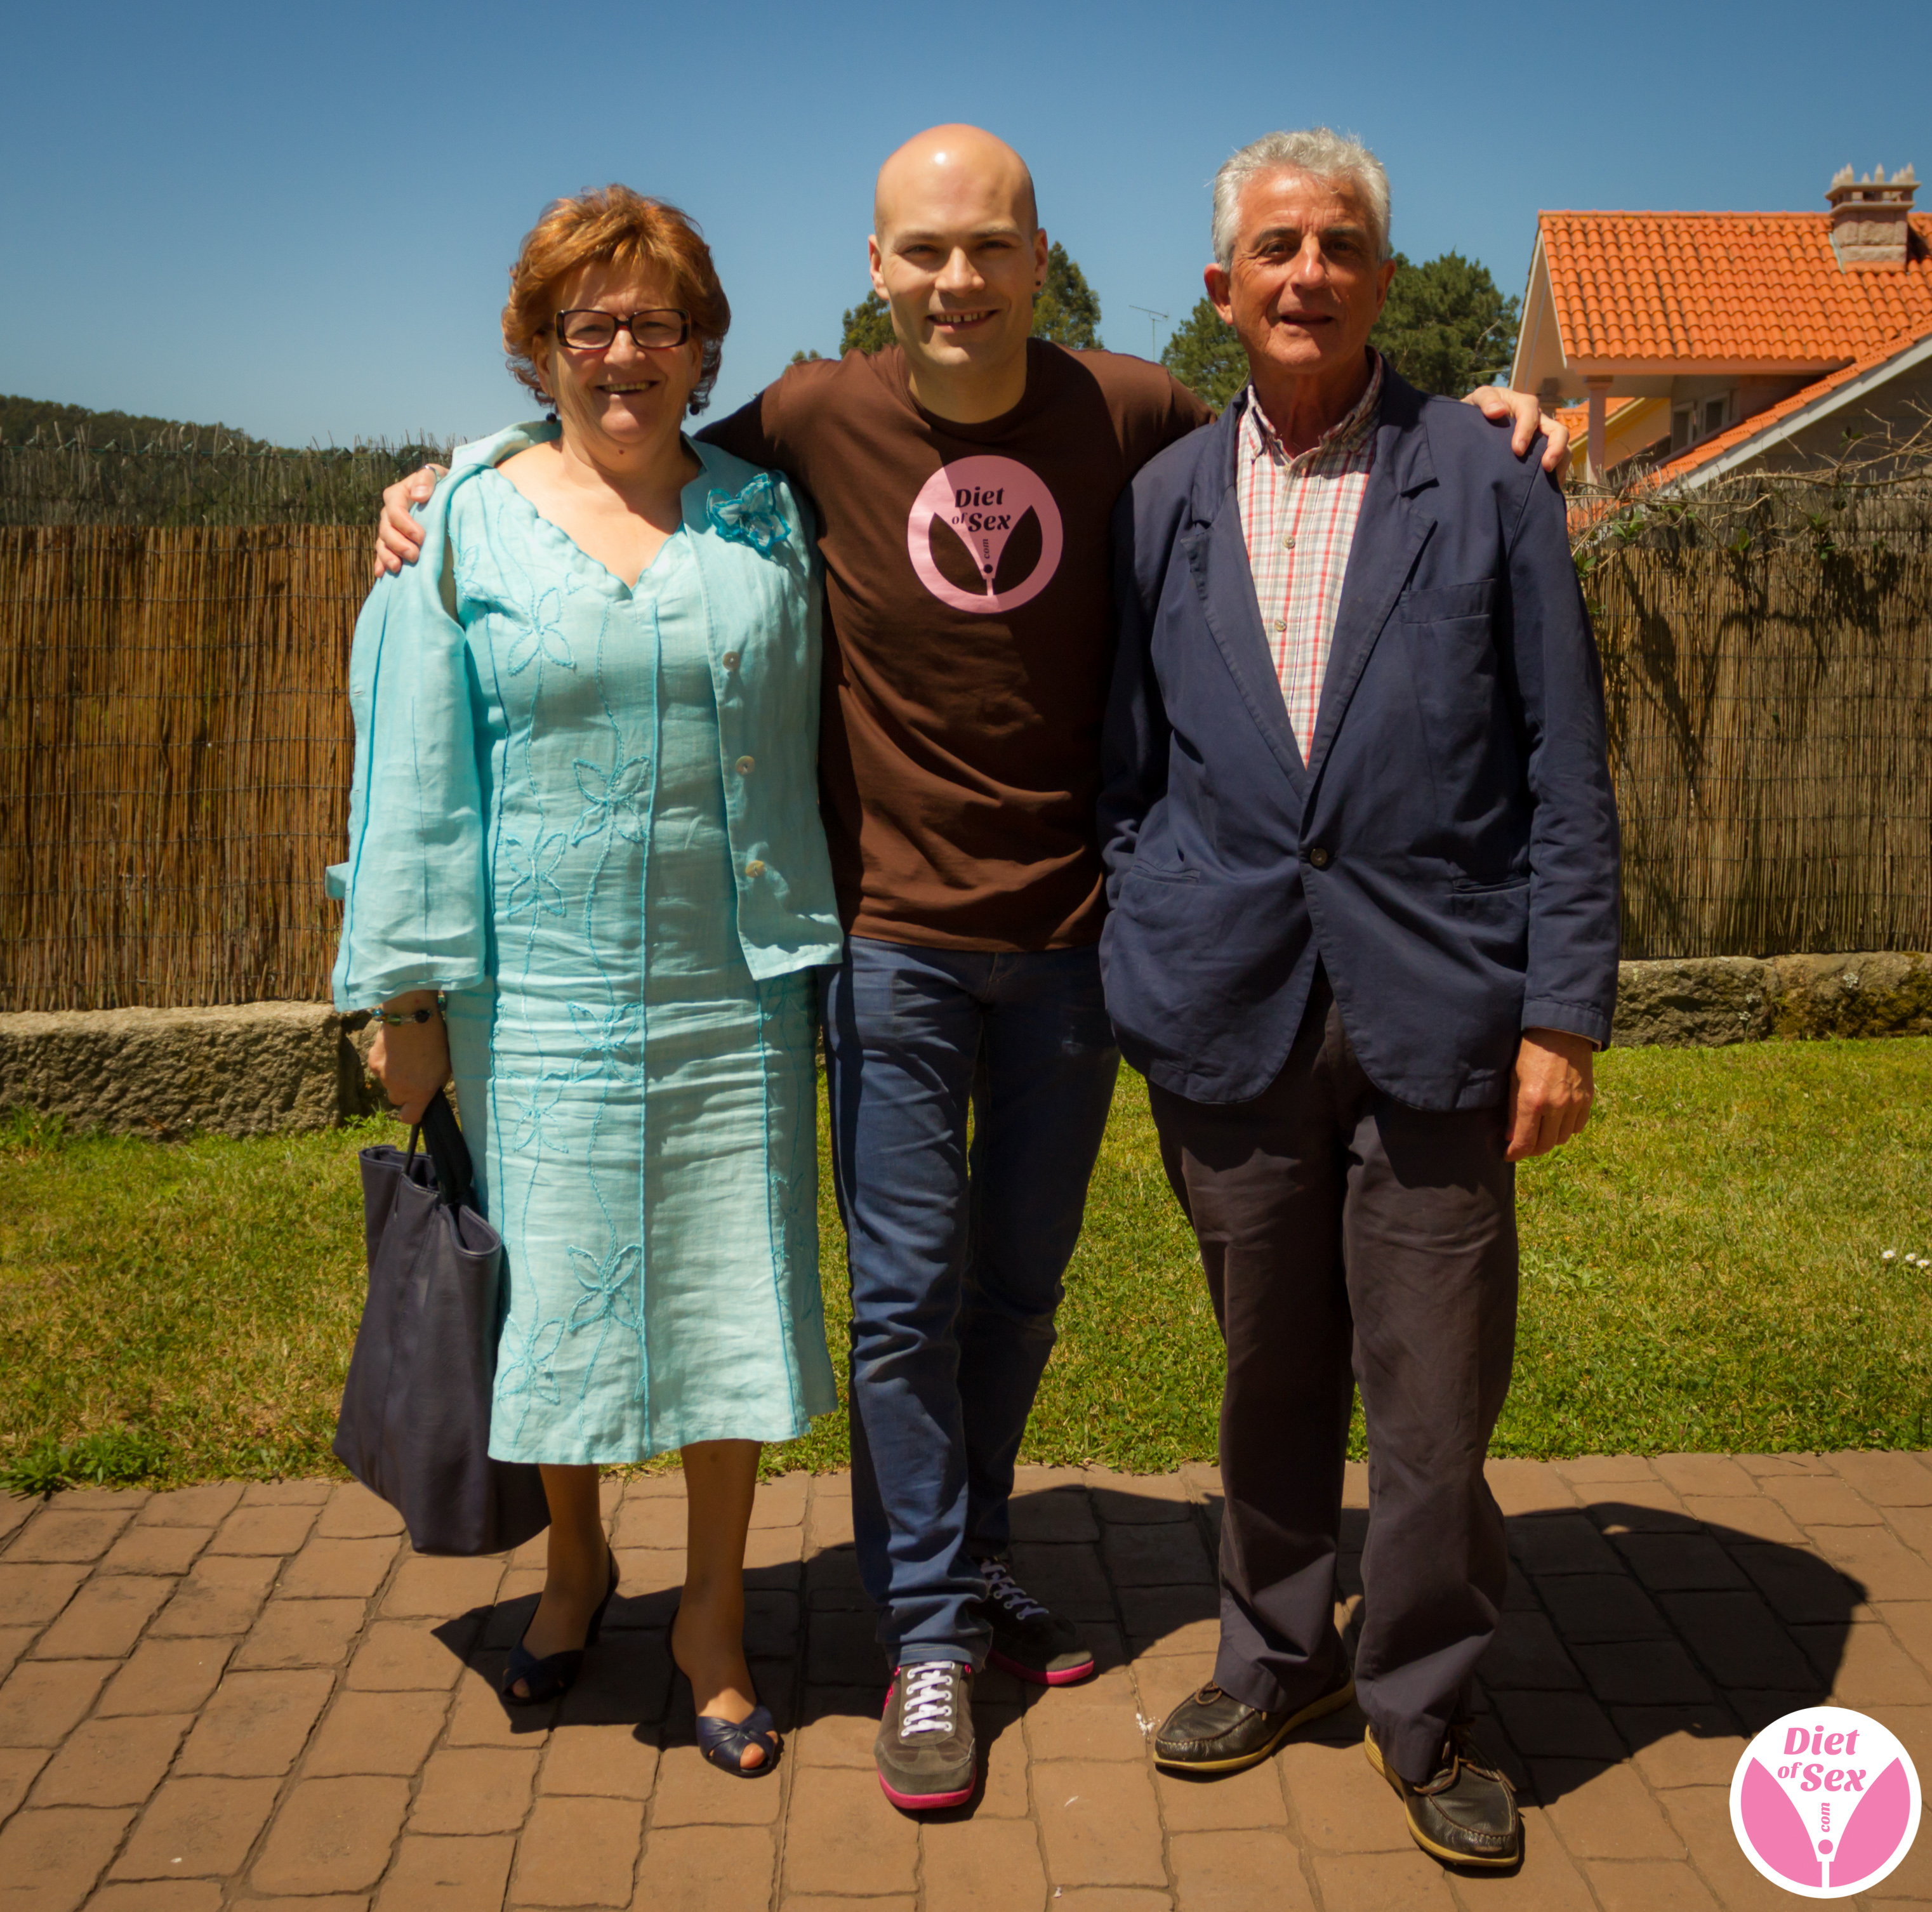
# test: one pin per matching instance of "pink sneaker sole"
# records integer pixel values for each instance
(1067, 1675)
(923, 1801)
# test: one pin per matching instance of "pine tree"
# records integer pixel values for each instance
(1066, 309)
(1204, 354)
(868, 326)
(1446, 328)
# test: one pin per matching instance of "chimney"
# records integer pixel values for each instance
(1871, 229)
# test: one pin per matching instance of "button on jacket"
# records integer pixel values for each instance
(1448, 849)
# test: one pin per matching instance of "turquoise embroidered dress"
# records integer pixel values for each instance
(589, 812)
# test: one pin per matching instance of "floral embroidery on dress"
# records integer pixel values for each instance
(536, 1112)
(528, 1369)
(607, 1039)
(617, 799)
(752, 518)
(604, 1284)
(542, 636)
(533, 883)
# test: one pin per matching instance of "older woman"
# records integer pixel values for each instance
(586, 872)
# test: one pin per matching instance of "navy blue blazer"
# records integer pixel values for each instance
(1449, 850)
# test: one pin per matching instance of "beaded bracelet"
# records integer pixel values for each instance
(399, 1018)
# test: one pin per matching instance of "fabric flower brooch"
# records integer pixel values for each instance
(752, 518)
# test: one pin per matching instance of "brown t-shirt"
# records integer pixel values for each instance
(968, 646)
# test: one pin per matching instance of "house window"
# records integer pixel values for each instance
(1691, 424)
(1714, 417)
(1683, 427)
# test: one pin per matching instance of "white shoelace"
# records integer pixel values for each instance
(928, 1706)
(1001, 1586)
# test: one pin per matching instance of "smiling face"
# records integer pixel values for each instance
(957, 254)
(619, 397)
(1305, 287)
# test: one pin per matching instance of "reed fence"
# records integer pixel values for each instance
(175, 754)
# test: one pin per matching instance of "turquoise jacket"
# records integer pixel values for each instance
(430, 744)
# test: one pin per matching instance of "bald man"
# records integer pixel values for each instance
(963, 478)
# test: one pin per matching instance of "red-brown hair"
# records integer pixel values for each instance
(617, 227)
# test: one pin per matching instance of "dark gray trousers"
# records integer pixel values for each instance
(1350, 1241)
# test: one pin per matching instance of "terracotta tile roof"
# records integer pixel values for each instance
(1691, 458)
(1763, 288)
(1576, 418)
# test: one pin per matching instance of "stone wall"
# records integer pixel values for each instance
(264, 1069)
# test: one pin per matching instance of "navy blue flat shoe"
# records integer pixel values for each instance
(723, 1741)
(555, 1673)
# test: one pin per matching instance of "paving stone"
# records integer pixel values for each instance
(1763, 1466)
(795, 1903)
(1163, 1680)
(1548, 1879)
(1864, 1667)
(831, 1583)
(842, 1649)
(479, 1718)
(1561, 1543)
(332, 1835)
(343, 1569)
(1591, 1473)
(1100, 1823)
(1642, 1673)
(104, 1619)
(605, 1762)
(771, 1626)
(400, 1656)
(19, 1767)
(14, 1641)
(1913, 1525)
(1004, 1771)
(192, 1506)
(1642, 1507)
(1678, 1563)
(273, 1529)
(580, 1852)
(1698, 1746)
(432, 1586)
(1879, 1562)
(843, 1834)
(1527, 1651)
(656, 1525)
(475, 1789)
(1799, 1586)
(446, 1874)
(1911, 1624)
(828, 1523)
(1702, 1815)
(168, 1550)
(1381, 1882)
(351, 1513)
(1339, 1800)
(1755, 1517)
(256, 1724)
(51, 1536)
(50, 1857)
(1588, 1607)
(1158, 1614)
(1886, 1479)
(1528, 1487)
(1140, 1499)
(286, 1492)
(1156, 1556)
(301, 1633)
(112, 1762)
(1604, 1812)
(773, 1557)
(1099, 1719)
(1233, 1802)
(221, 1595)
(722, 1869)
(378, 1733)
(688, 1792)
(160, 1896)
(198, 1828)
(15, 1510)
(1067, 1576)
(1557, 1726)
(780, 1503)
(627, 1680)
(1218, 1875)
(1822, 1500)
(1109, 1898)
(972, 1864)
(166, 1676)
(1736, 1637)
(1061, 1515)
(838, 1726)
(31, 1596)
(43, 1701)
(1704, 1474)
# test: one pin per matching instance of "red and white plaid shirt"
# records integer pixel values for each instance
(1298, 516)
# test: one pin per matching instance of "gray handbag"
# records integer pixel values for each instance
(415, 1425)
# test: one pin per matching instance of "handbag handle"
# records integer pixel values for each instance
(455, 1173)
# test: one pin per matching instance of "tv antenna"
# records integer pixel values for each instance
(1153, 342)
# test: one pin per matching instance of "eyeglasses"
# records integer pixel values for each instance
(658, 330)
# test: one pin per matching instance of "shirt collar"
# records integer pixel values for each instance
(1262, 441)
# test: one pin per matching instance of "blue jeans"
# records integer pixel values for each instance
(956, 1253)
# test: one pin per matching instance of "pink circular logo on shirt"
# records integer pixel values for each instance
(982, 501)
(1825, 1802)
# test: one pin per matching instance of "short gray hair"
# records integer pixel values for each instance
(1317, 153)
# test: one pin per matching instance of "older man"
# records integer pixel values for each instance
(1362, 855)
(964, 478)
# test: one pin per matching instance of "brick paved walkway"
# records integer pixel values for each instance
(222, 1697)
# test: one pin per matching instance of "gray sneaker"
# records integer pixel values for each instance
(924, 1750)
(1030, 1640)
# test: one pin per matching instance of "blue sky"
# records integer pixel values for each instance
(297, 219)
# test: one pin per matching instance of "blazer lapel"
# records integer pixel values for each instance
(1395, 524)
(1217, 560)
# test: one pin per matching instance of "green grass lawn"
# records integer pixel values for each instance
(1702, 1269)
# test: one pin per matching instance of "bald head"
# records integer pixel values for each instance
(948, 171)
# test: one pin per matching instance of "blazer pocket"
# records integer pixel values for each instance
(1447, 602)
(1148, 873)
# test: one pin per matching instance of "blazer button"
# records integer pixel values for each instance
(746, 765)
(730, 659)
(754, 868)
(1319, 857)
